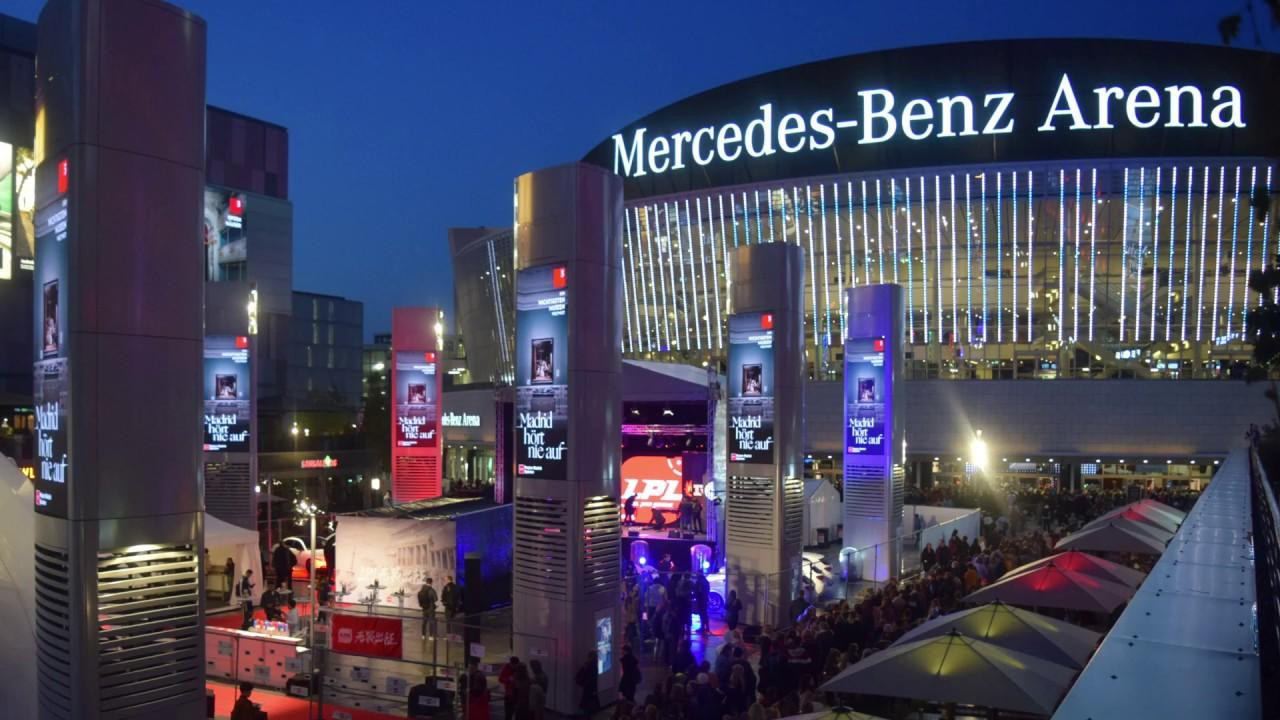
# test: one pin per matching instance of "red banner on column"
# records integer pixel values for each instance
(367, 635)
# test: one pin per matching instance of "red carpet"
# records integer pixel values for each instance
(279, 706)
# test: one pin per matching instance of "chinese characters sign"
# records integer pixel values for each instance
(367, 635)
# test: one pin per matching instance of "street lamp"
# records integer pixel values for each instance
(978, 452)
(309, 510)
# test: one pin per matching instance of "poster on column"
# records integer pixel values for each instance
(417, 402)
(751, 388)
(542, 372)
(865, 395)
(226, 393)
(52, 377)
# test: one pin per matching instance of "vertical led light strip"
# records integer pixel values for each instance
(937, 233)
(1124, 249)
(689, 316)
(968, 260)
(924, 261)
(733, 213)
(1030, 256)
(651, 306)
(879, 233)
(844, 320)
(661, 291)
(631, 270)
(629, 344)
(1217, 257)
(813, 272)
(1062, 249)
(1248, 254)
(853, 239)
(1266, 230)
(826, 278)
(1235, 235)
(675, 296)
(1204, 247)
(705, 313)
(893, 225)
(1173, 247)
(724, 247)
(911, 280)
(983, 207)
(782, 195)
(955, 278)
(759, 221)
(1075, 266)
(1013, 243)
(1093, 246)
(1137, 294)
(702, 265)
(866, 237)
(1155, 255)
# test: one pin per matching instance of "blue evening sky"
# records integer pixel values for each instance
(407, 117)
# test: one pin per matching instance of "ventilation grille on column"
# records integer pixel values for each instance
(864, 491)
(750, 510)
(542, 546)
(793, 512)
(601, 538)
(899, 490)
(228, 493)
(416, 478)
(149, 634)
(53, 632)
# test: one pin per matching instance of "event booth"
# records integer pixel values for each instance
(223, 540)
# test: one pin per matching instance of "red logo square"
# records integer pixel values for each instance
(878, 345)
(64, 175)
(235, 205)
(242, 342)
(766, 321)
(559, 277)
(431, 357)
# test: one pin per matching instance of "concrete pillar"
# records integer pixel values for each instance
(568, 432)
(119, 529)
(765, 434)
(873, 455)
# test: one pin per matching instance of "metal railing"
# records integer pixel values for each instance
(1266, 549)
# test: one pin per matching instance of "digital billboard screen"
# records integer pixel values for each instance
(417, 400)
(225, 242)
(751, 388)
(865, 395)
(52, 381)
(659, 485)
(227, 388)
(17, 205)
(542, 372)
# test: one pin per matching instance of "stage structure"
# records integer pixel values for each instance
(568, 427)
(765, 443)
(873, 438)
(119, 336)
(416, 470)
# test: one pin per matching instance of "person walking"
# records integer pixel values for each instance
(630, 675)
(244, 590)
(282, 561)
(451, 598)
(733, 610)
(427, 599)
(477, 692)
(629, 510)
(507, 679)
(588, 683)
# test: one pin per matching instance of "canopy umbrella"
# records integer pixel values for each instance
(1113, 536)
(1169, 510)
(1013, 629)
(1138, 512)
(953, 668)
(1054, 587)
(1086, 564)
(1137, 524)
(835, 713)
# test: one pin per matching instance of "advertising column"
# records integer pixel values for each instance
(117, 362)
(567, 428)
(873, 451)
(416, 470)
(765, 434)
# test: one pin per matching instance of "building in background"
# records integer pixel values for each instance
(326, 355)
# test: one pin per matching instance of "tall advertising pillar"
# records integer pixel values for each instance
(117, 367)
(765, 434)
(873, 439)
(568, 432)
(416, 467)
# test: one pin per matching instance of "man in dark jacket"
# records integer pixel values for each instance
(282, 561)
(427, 600)
(630, 678)
(451, 596)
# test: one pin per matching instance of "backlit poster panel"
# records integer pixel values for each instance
(226, 393)
(52, 386)
(542, 372)
(8, 257)
(225, 242)
(865, 394)
(417, 403)
(751, 388)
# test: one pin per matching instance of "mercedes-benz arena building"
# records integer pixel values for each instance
(1073, 221)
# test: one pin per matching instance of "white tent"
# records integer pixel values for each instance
(224, 540)
(821, 510)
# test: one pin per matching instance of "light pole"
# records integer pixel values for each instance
(309, 510)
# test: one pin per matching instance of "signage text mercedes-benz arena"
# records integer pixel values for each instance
(882, 116)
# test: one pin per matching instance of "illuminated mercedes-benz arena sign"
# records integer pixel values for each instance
(1035, 198)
